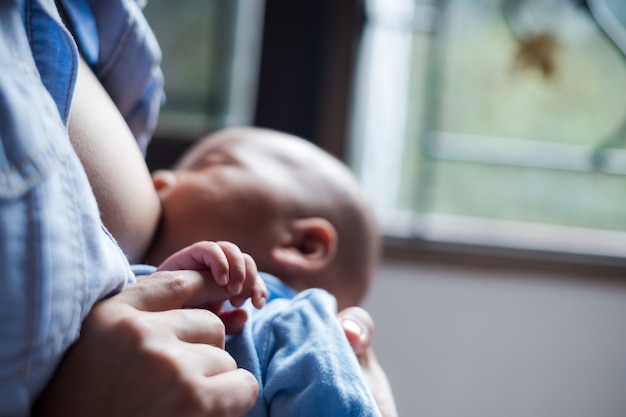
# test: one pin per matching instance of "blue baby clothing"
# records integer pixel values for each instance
(300, 355)
(56, 257)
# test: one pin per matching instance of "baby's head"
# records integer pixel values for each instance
(296, 209)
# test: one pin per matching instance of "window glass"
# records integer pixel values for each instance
(509, 115)
(210, 62)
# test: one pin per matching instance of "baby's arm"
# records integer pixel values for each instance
(230, 268)
(310, 369)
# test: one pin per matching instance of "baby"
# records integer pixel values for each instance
(299, 213)
(294, 208)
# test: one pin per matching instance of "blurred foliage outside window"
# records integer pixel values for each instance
(210, 62)
(497, 112)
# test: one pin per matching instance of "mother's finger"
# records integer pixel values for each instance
(232, 392)
(198, 358)
(167, 290)
(192, 325)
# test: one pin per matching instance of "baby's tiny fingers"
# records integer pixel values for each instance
(253, 288)
(216, 259)
(236, 266)
(259, 289)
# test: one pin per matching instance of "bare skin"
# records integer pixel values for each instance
(259, 172)
(150, 337)
(296, 210)
(230, 268)
(148, 352)
(115, 167)
(359, 328)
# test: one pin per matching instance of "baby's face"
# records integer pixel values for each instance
(236, 189)
(250, 188)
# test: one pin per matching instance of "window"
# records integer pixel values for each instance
(211, 52)
(495, 123)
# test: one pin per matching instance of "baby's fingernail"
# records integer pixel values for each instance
(261, 302)
(223, 279)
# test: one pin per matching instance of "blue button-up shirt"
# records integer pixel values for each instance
(56, 257)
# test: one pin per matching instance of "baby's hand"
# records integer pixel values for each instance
(232, 269)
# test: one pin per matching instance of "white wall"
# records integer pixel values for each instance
(461, 341)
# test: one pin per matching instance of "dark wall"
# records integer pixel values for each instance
(305, 79)
(309, 48)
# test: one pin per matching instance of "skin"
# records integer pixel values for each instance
(114, 165)
(236, 185)
(296, 210)
(230, 268)
(152, 336)
(155, 335)
(148, 352)
(359, 328)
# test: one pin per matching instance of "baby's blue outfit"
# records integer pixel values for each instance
(56, 257)
(300, 355)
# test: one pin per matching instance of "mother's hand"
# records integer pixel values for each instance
(359, 328)
(148, 351)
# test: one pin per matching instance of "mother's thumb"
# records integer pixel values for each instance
(168, 290)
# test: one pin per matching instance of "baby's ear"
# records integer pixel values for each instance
(163, 179)
(312, 245)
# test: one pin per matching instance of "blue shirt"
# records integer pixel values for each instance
(56, 257)
(300, 355)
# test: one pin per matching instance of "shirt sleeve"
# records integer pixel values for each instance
(56, 258)
(310, 369)
(129, 65)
